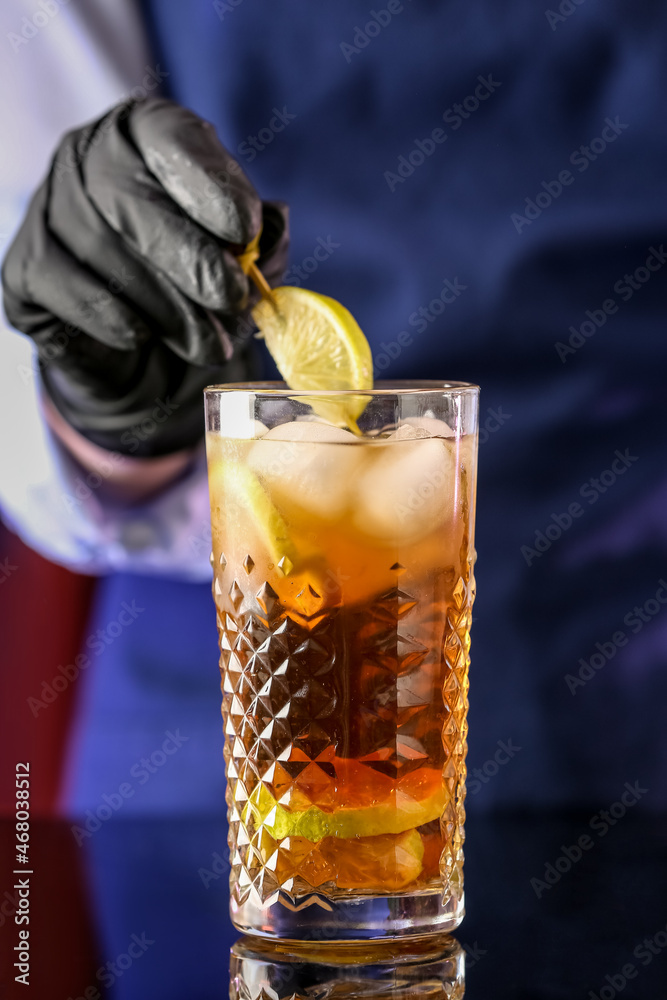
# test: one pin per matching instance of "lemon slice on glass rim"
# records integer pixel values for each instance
(315, 342)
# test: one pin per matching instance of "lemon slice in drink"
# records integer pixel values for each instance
(381, 862)
(405, 813)
(240, 489)
(317, 344)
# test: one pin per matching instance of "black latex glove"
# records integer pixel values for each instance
(124, 275)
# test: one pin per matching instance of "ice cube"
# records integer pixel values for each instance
(310, 430)
(408, 488)
(407, 432)
(309, 465)
(431, 426)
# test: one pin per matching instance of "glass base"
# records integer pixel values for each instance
(322, 918)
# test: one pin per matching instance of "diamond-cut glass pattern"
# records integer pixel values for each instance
(328, 708)
(455, 730)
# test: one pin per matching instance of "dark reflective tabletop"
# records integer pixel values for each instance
(556, 907)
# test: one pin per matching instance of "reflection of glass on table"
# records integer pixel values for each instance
(431, 968)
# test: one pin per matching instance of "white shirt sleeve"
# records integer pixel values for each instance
(63, 64)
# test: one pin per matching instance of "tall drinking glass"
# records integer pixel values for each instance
(343, 580)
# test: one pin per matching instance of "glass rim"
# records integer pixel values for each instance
(394, 387)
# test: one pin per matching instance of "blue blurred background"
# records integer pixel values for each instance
(484, 186)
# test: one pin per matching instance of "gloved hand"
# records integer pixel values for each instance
(124, 274)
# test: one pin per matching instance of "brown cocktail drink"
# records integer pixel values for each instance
(343, 584)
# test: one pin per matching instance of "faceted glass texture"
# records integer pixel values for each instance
(343, 585)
